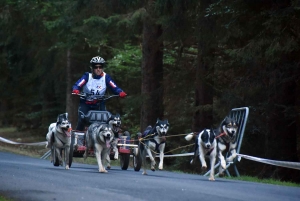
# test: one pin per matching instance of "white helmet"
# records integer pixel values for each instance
(97, 60)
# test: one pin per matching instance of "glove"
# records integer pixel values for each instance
(122, 94)
(75, 91)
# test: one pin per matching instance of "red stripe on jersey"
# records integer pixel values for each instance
(112, 84)
(80, 84)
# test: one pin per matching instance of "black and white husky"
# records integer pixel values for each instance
(153, 140)
(115, 124)
(226, 140)
(98, 138)
(59, 137)
(205, 146)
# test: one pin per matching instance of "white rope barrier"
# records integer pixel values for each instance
(20, 143)
(287, 164)
(176, 155)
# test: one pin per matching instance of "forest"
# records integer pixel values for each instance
(188, 61)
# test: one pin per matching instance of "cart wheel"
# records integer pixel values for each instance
(124, 161)
(137, 161)
(71, 150)
(54, 157)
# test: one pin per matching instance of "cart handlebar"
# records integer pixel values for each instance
(96, 97)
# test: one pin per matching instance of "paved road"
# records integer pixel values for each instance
(25, 178)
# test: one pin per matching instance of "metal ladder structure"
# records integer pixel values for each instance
(241, 115)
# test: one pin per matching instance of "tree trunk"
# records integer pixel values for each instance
(297, 106)
(203, 117)
(152, 72)
(72, 102)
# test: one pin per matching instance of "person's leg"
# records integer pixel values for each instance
(82, 110)
(102, 106)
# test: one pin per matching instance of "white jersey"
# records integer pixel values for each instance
(95, 87)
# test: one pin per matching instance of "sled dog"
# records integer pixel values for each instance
(205, 146)
(59, 137)
(99, 137)
(154, 140)
(226, 140)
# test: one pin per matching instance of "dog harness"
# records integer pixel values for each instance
(209, 151)
(148, 132)
(156, 144)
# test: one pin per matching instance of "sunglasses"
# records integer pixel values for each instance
(96, 67)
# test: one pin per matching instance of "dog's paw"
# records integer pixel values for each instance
(211, 179)
(153, 169)
(102, 170)
(230, 159)
(204, 168)
(67, 167)
(221, 174)
(189, 137)
(160, 167)
(108, 167)
(144, 173)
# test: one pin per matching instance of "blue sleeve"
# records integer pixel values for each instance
(112, 85)
(81, 82)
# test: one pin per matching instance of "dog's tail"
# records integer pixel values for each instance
(189, 137)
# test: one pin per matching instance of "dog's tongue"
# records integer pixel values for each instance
(68, 132)
(107, 143)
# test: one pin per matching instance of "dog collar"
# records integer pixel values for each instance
(221, 134)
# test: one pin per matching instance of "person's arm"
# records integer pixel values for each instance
(112, 85)
(81, 82)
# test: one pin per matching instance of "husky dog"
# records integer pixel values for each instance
(99, 137)
(154, 139)
(226, 139)
(115, 123)
(205, 146)
(59, 137)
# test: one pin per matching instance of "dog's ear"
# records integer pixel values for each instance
(213, 131)
(98, 130)
(224, 121)
(235, 123)
(168, 124)
(60, 117)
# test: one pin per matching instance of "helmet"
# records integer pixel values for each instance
(97, 60)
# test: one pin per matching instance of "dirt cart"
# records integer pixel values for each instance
(78, 137)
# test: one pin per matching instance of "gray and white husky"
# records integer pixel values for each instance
(115, 123)
(154, 140)
(59, 136)
(99, 137)
(226, 140)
